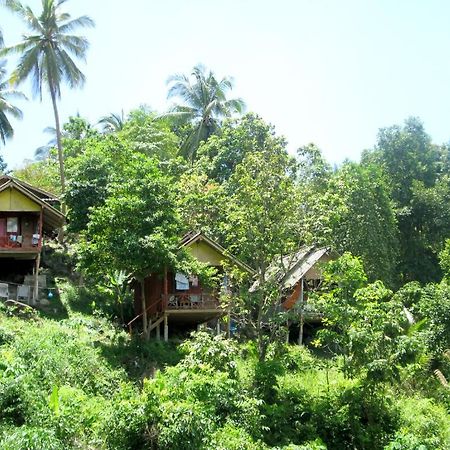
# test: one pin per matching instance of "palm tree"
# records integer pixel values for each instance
(203, 104)
(43, 152)
(112, 122)
(46, 55)
(6, 108)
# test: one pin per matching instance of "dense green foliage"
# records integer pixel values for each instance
(374, 373)
(80, 383)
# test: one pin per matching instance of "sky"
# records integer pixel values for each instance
(323, 71)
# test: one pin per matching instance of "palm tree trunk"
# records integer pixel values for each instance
(60, 160)
(59, 146)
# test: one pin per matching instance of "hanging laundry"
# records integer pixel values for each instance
(193, 279)
(181, 281)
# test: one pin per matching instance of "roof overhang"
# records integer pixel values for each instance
(295, 266)
(52, 217)
(191, 238)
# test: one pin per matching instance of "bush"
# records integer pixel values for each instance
(317, 444)
(30, 438)
(423, 425)
(74, 415)
(216, 351)
(52, 355)
(231, 437)
(298, 358)
(184, 425)
(128, 420)
(291, 416)
(355, 418)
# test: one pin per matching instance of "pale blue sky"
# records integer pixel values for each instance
(325, 71)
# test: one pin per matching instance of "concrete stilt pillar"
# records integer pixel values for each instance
(166, 328)
(149, 329)
(36, 280)
(158, 332)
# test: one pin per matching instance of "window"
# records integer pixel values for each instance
(12, 225)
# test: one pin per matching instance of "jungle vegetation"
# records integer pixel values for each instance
(374, 375)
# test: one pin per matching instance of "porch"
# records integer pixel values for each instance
(20, 233)
(186, 301)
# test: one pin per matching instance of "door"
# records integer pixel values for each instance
(28, 228)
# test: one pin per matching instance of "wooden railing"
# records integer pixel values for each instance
(191, 301)
(16, 243)
(152, 305)
(178, 302)
(6, 242)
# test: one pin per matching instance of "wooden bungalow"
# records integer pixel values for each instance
(297, 275)
(177, 298)
(27, 214)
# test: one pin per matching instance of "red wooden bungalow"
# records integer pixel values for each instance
(27, 214)
(177, 298)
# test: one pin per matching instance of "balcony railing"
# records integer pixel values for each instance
(15, 242)
(192, 301)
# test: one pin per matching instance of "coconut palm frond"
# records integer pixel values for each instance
(202, 102)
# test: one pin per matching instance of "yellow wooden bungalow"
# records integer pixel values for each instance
(181, 299)
(27, 214)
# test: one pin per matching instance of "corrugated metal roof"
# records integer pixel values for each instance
(303, 263)
(290, 269)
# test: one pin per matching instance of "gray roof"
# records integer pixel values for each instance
(290, 269)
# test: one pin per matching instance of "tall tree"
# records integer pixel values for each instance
(46, 54)
(262, 228)
(74, 134)
(202, 101)
(43, 152)
(137, 227)
(364, 222)
(220, 155)
(364, 323)
(418, 173)
(148, 134)
(6, 107)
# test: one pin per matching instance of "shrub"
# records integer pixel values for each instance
(128, 420)
(355, 418)
(290, 417)
(298, 358)
(317, 444)
(30, 438)
(231, 437)
(184, 425)
(265, 379)
(423, 425)
(216, 351)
